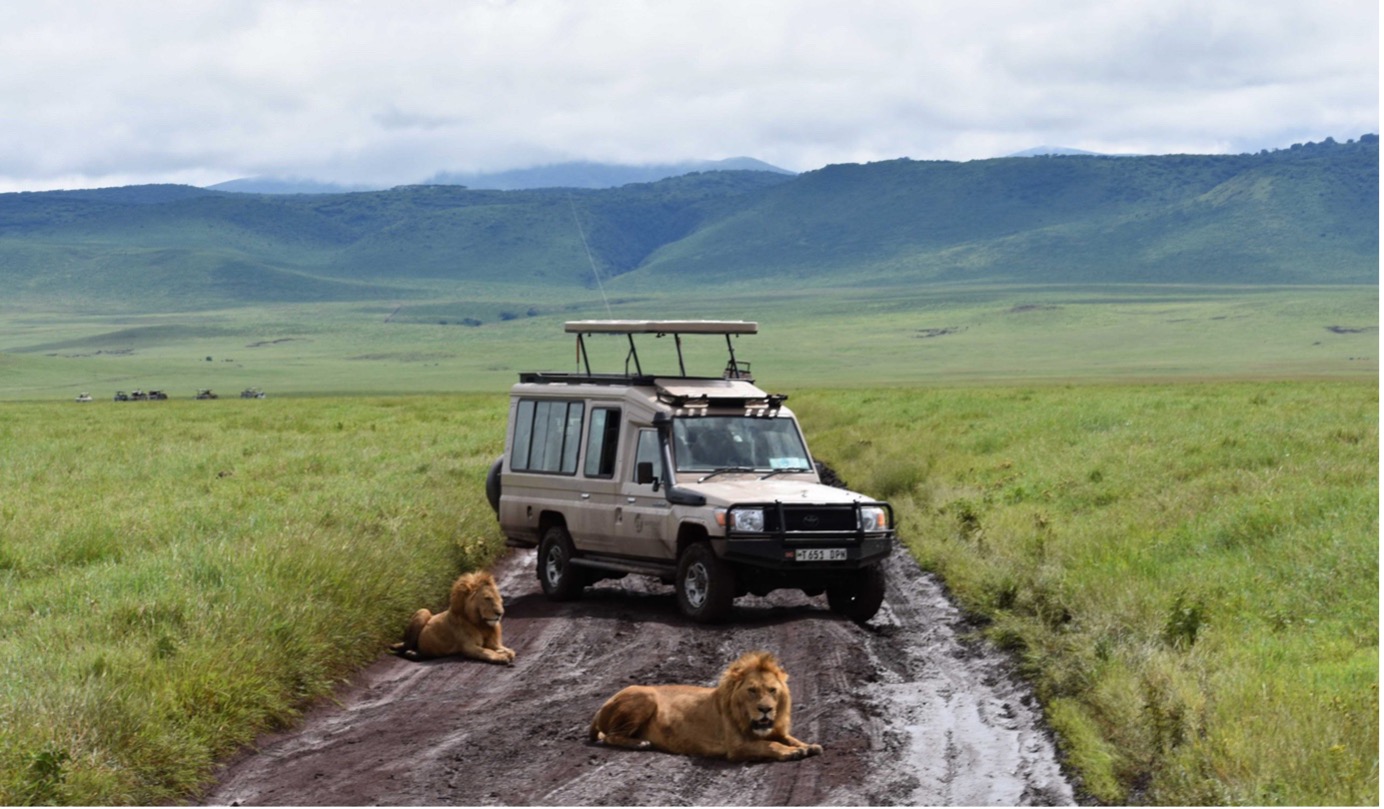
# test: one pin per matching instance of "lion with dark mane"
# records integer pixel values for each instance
(746, 717)
(470, 626)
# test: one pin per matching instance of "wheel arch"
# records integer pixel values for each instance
(690, 533)
(548, 518)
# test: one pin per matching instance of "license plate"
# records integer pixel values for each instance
(820, 555)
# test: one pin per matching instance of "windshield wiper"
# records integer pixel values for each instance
(785, 471)
(722, 470)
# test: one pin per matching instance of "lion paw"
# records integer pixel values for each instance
(813, 750)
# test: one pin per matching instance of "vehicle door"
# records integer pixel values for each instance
(641, 519)
(599, 496)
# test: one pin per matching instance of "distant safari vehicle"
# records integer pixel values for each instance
(252, 393)
(157, 396)
(84, 397)
(205, 393)
(122, 396)
(138, 395)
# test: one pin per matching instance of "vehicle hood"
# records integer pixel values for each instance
(726, 490)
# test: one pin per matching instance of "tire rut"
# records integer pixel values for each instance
(909, 711)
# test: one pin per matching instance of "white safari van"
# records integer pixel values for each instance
(704, 482)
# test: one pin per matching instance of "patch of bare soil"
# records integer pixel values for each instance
(908, 711)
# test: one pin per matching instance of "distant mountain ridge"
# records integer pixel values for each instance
(578, 174)
(583, 174)
(289, 185)
(1308, 214)
(1049, 151)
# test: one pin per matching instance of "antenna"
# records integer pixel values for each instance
(587, 248)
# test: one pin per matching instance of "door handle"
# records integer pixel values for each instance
(630, 500)
(585, 496)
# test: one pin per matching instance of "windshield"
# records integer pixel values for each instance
(708, 443)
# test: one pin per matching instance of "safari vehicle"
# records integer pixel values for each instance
(703, 482)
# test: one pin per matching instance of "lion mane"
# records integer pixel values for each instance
(746, 717)
(470, 626)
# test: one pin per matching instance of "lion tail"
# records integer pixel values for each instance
(624, 715)
(411, 632)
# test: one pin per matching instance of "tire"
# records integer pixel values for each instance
(561, 581)
(705, 585)
(858, 597)
(492, 485)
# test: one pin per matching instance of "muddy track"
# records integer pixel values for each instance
(908, 712)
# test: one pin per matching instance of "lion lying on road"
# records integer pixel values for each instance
(470, 626)
(744, 718)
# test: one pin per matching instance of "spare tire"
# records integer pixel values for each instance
(492, 484)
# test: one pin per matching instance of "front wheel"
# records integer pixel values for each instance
(859, 596)
(705, 585)
(560, 580)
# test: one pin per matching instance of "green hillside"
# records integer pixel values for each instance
(1304, 215)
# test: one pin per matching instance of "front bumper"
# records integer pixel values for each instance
(782, 555)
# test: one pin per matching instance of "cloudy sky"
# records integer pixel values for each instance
(98, 93)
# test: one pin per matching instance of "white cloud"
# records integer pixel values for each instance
(103, 93)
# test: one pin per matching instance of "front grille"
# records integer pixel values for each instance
(810, 519)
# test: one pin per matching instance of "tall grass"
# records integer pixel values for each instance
(1188, 573)
(179, 576)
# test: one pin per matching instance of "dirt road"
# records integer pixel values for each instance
(908, 713)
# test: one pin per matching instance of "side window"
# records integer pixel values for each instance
(547, 435)
(602, 442)
(647, 450)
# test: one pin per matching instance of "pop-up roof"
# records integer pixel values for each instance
(662, 327)
(733, 370)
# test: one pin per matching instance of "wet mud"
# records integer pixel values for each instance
(910, 712)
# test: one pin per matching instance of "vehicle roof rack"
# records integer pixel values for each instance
(662, 327)
(735, 369)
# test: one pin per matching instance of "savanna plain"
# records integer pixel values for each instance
(1165, 506)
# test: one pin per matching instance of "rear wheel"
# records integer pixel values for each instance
(705, 585)
(560, 580)
(859, 596)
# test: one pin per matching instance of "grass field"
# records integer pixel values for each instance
(178, 576)
(851, 337)
(1187, 572)
(1179, 545)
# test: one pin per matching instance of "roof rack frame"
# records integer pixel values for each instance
(661, 328)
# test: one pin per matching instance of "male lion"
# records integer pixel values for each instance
(470, 626)
(746, 717)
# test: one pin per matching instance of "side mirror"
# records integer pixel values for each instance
(644, 474)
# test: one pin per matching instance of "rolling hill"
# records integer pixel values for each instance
(1304, 215)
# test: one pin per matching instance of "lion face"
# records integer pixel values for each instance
(477, 597)
(760, 701)
(488, 606)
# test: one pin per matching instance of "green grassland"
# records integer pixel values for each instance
(860, 335)
(177, 578)
(1186, 571)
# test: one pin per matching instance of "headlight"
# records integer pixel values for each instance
(746, 519)
(873, 518)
